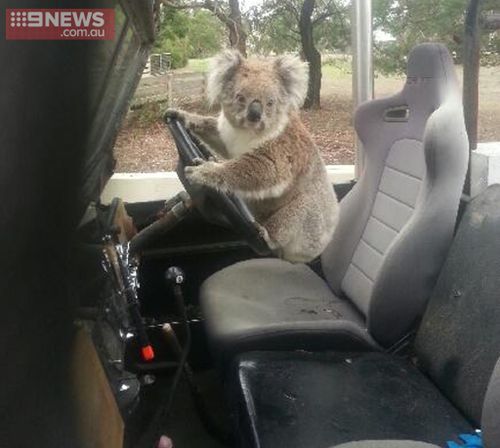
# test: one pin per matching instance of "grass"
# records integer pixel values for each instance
(197, 65)
(335, 67)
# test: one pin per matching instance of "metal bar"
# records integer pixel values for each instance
(362, 63)
(471, 77)
(471, 70)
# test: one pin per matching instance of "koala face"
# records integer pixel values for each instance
(259, 93)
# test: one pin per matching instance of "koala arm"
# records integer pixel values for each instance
(203, 126)
(264, 173)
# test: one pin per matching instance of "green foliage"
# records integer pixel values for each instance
(274, 26)
(188, 34)
(205, 33)
(173, 36)
(273, 32)
(274, 29)
(414, 21)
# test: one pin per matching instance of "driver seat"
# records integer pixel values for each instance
(394, 231)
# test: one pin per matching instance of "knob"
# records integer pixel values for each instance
(174, 275)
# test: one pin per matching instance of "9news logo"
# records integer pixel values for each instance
(60, 24)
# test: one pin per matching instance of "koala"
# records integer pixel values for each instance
(264, 154)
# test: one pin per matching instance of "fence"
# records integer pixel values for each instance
(158, 64)
(170, 87)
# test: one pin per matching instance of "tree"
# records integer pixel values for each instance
(311, 54)
(228, 12)
(414, 21)
(172, 36)
(205, 33)
(188, 34)
(289, 25)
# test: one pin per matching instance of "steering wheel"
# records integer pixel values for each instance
(215, 206)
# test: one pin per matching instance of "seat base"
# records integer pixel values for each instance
(270, 304)
(298, 399)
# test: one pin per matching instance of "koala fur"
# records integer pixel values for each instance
(268, 157)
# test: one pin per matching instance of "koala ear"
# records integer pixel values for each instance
(294, 75)
(222, 69)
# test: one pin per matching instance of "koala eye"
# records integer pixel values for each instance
(240, 98)
(270, 103)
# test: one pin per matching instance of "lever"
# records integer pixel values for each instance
(175, 278)
(174, 275)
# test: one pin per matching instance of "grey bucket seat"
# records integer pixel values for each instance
(299, 399)
(395, 228)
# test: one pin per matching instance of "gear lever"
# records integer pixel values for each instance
(175, 278)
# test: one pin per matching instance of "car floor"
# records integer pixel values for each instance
(183, 425)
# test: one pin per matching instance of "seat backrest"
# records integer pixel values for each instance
(396, 224)
(458, 342)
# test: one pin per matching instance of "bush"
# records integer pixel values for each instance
(179, 49)
(173, 37)
(188, 35)
(205, 35)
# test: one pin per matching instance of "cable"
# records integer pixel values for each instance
(149, 440)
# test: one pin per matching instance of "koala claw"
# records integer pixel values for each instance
(173, 114)
(204, 174)
(264, 234)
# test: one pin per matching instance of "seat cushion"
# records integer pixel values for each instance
(272, 304)
(299, 399)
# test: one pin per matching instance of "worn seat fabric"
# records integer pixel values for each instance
(299, 399)
(453, 385)
(302, 311)
(490, 423)
(394, 230)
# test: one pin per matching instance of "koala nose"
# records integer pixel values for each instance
(254, 113)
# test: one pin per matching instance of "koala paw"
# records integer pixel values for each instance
(174, 114)
(264, 234)
(204, 174)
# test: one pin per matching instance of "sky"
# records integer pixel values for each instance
(247, 4)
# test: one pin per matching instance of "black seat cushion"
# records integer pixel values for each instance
(318, 400)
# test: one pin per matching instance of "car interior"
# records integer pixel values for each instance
(180, 322)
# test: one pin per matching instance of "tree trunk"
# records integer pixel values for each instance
(311, 55)
(237, 35)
